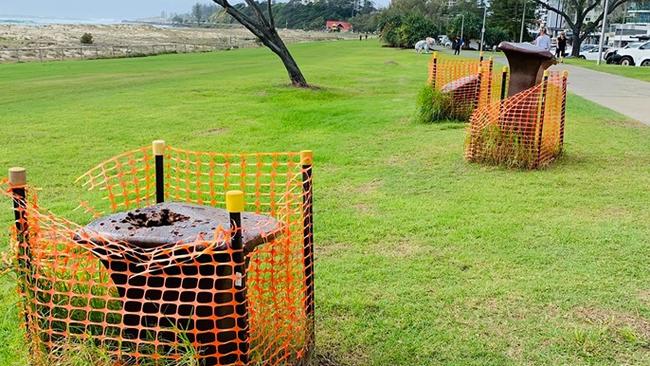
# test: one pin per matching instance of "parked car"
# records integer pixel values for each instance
(636, 53)
(444, 41)
(612, 51)
(591, 53)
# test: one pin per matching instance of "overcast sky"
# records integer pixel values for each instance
(117, 9)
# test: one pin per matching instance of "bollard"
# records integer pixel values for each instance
(235, 207)
(504, 82)
(158, 148)
(17, 186)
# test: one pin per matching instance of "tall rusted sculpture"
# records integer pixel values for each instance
(527, 65)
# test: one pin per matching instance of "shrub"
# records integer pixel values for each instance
(498, 147)
(87, 38)
(405, 31)
(436, 106)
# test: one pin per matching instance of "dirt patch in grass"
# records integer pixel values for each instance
(628, 123)
(401, 248)
(214, 131)
(364, 208)
(616, 320)
(331, 249)
(369, 187)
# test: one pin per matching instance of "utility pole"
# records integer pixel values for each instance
(462, 29)
(523, 22)
(483, 29)
(602, 32)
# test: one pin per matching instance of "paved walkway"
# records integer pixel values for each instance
(630, 97)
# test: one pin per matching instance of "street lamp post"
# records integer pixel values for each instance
(602, 32)
(462, 29)
(483, 29)
(523, 20)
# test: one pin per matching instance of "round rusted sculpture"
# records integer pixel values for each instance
(176, 294)
(527, 65)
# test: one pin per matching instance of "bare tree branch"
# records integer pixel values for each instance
(239, 16)
(258, 13)
(270, 10)
(264, 30)
(596, 23)
(556, 10)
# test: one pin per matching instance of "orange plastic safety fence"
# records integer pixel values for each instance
(471, 84)
(176, 301)
(525, 130)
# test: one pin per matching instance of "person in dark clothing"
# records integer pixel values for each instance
(560, 50)
(455, 45)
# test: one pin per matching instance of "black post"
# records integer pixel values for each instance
(235, 206)
(306, 158)
(434, 70)
(17, 185)
(504, 82)
(159, 155)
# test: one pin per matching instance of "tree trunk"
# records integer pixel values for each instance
(280, 49)
(265, 31)
(577, 42)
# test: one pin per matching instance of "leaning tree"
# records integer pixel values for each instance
(263, 26)
(574, 13)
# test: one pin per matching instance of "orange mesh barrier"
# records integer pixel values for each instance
(471, 84)
(239, 293)
(525, 130)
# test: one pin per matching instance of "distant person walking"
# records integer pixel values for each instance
(456, 46)
(543, 40)
(560, 50)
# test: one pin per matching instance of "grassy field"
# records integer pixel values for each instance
(641, 73)
(423, 259)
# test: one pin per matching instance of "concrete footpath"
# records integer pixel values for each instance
(630, 97)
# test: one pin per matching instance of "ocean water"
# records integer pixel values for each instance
(36, 21)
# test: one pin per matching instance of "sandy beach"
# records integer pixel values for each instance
(49, 42)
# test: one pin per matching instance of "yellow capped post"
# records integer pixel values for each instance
(18, 188)
(306, 157)
(504, 82)
(235, 201)
(158, 147)
(17, 177)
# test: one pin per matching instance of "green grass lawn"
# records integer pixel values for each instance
(641, 73)
(422, 258)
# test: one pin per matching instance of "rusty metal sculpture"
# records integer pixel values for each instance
(527, 65)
